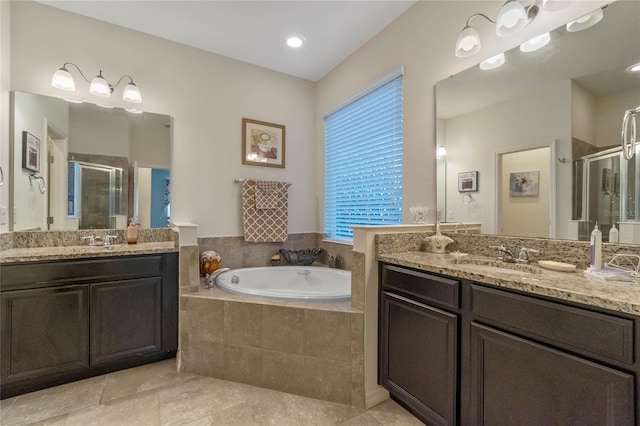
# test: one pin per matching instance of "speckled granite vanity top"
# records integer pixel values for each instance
(35, 254)
(570, 286)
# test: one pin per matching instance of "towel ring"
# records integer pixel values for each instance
(42, 186)
(466, 198)
(1, 176)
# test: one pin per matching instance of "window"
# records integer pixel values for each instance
(363, 160)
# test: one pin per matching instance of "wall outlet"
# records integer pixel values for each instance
(3, 215)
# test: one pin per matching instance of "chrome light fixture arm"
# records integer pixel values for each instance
(628, 135)
(64, 68)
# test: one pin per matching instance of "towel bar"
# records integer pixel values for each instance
(242, 180)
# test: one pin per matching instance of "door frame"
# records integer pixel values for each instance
(552, 183)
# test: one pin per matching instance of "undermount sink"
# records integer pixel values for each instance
(486, 265)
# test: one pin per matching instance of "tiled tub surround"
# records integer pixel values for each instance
(403, 249)
(236, 253)
(309, 349)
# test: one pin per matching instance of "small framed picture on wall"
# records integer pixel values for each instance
(30, 152)
(468, 181)
(263, 143)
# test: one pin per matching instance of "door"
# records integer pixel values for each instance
(44, 332)
(126, 319)
(525, 191)
(418, 360)
(517, 382)
(57, 179)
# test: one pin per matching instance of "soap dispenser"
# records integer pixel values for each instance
(613, 234)
(132, 232)
(596, 248)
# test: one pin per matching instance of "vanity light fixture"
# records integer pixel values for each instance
(441, 151)
(99, 86)
(512, 17)
(634, 68)
(535, 43)
(585, 21)
(493, 62)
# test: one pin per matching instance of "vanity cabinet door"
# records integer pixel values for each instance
(418, 357)
(519, 382)
(44, 333)
(126, 319)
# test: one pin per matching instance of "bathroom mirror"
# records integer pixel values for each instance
(542, 135)
(83, 166)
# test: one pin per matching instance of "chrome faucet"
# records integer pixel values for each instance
(523, 257)
(505, 254)
(210, 279)
(110, 239)
(91, 238)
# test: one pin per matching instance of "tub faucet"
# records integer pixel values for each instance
(210, 279)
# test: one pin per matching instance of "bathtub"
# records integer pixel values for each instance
(294, 283)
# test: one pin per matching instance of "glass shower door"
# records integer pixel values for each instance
(603, 192)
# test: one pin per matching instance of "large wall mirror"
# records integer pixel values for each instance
(84, 166)
(533, 147)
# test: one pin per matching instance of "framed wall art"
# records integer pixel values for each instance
(524, 184)
(468, 181)
(263, 144)
(30, 152)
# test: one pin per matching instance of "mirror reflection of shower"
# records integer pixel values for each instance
(94, 196)
(607, 191)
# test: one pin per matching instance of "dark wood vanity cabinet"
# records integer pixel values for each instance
(67, 320)
(514, 358)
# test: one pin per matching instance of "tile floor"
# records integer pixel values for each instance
(156, 394)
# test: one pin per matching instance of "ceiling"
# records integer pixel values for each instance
(254, 31)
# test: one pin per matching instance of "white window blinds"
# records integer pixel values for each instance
(363, 162)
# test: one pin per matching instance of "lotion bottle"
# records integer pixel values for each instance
(132, 232)
(613, 234)
(596, 248)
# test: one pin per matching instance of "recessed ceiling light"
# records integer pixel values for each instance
(634, 68)
(295, 42)
(493, 62)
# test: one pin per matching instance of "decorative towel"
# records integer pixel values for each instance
(268, 194)
(270, 222)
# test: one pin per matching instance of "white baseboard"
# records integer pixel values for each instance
(375, 396)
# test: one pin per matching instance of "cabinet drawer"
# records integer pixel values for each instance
(422, 286)
(46, 274)
(602, 336)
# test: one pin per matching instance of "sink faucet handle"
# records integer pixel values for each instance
(91, 238)
(501, 251)
(109, 239)
(523, 257)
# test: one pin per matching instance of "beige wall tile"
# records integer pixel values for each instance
(358, 271)
(283, 372)
(357, 395)
(357, 348)
(189, 266)
(327, 379)
(243, 365)
(205, 319)
(282, 329)
(243, 324)
(203, 357)
(327, 334)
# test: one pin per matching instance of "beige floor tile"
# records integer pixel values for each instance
(140, 410)
(364, 419)
(134, 380)
(52, 402)
(390, 413)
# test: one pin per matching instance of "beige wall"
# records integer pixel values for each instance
(5, 87)
(423, 40)
(525, 216)
(206, 94)
(609, 110)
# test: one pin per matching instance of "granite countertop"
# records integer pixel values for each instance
(570, 286)
(78, 252)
